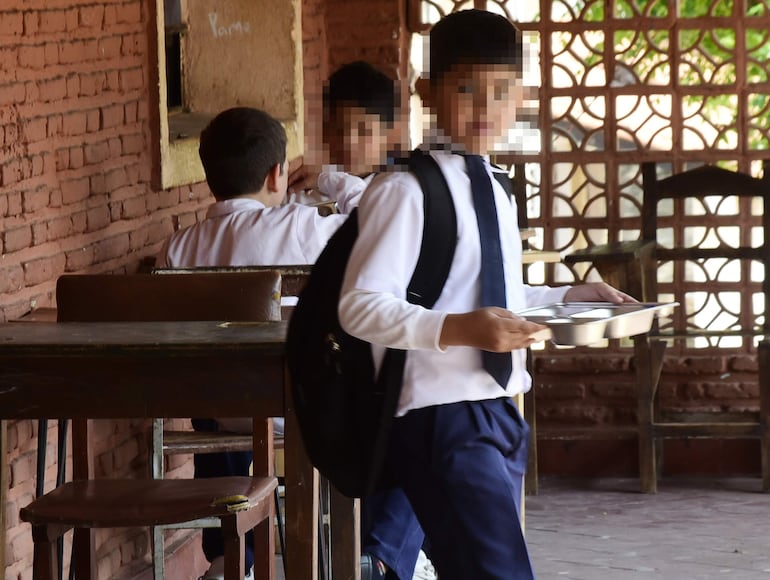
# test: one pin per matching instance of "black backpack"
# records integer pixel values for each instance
(344, 413)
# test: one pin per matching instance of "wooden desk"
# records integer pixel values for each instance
(162, 369)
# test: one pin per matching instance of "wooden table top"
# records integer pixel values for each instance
(113, 337)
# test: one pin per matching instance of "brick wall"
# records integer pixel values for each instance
(75, 196)
(593, 394)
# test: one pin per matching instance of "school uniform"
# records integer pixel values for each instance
(458, 444)
(243, 232)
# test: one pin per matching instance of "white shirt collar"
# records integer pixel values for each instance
(236, 204)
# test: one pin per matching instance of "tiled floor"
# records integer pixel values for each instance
(695, 529)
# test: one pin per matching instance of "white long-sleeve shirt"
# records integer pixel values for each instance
(342, 188)
(243, 232)
(373, 304)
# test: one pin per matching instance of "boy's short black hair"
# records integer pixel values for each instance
(359, 84)
(238, 148)
(473, 37)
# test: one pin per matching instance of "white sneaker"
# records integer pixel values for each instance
(217, 571)
(424, 570)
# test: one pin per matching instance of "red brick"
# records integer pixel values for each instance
(12, 94)
(74, 123)
(561, 390)
(35, 130)
(11, 172)
(109, 48)
(31, 23)
(73, 51)
(96, 152)
(75, 190)
(116, 147)
(112, 116)
(20, 545)
(132, 144)
(73, 86)
(8, 57)
(130, 112)
(725, 390)
(113, 247)
(11, 23)
(3, 205)
(91, 84)
(93, 121)
(38, 164)
(138, 238)
(51, 50)
(79, 259)
(11, 133)
(134, 45)
(744, 363)
(168, 198)
(694, 365)
(31, 92)
(11, 280)
(32, 56)
(97, 184)
(112, 81)
(14, 203)
(134, 208)
(115, 179)
(97, 218)
(59, 227)
(130, 13)
(132, 79)
(55, 125)
(39, 233)
(615, 390)
(76, 158)
(35, 200)
(73, 19)
(53, 89)
(91, 16)
(110, 16)
(43, 269)
(52, 21)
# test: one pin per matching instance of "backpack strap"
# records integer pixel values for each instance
(439, 236)
(437, 249)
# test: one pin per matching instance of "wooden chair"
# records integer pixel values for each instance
(159, 503)
(636, 267)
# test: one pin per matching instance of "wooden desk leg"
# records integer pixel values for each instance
(3, 488)
(301, 502)
(83, 543)
(264, 466)
(345, 536)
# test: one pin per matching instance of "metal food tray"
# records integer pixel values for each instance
(584, 323)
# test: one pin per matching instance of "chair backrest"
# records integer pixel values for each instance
(241, 296)
(293, 278)
(709, 226)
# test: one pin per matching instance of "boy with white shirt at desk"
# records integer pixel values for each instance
(243, 152)
(458, 444)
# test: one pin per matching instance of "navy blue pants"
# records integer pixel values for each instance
(462, 465)
(390, 530)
